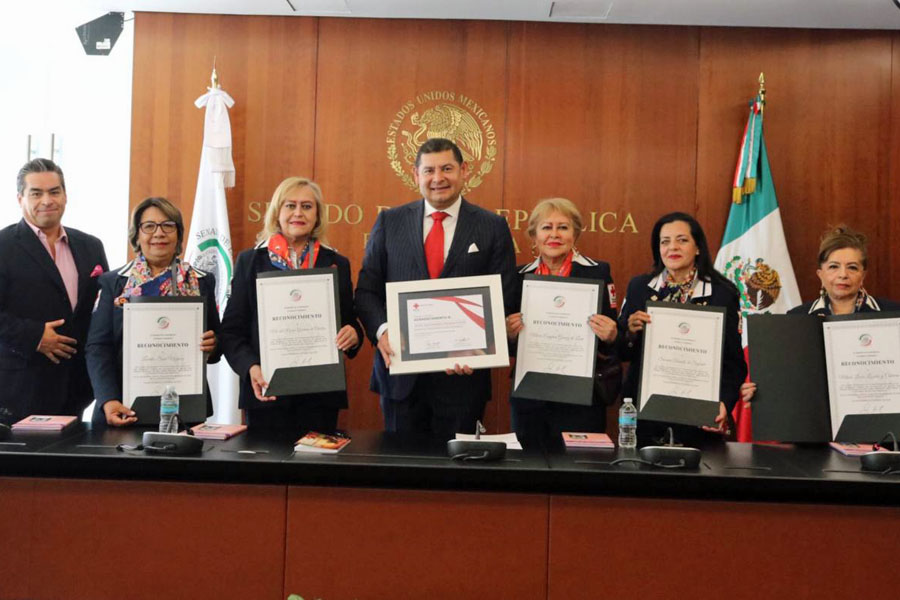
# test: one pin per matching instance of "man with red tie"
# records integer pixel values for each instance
(48, 284)
(441, 235)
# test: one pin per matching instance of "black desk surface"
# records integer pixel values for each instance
(729, 471)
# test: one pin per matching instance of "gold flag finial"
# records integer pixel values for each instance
(214, 78)
(762, 90)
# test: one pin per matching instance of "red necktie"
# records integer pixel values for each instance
(434, 245)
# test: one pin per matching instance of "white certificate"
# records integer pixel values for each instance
(161, 346)
(297, 320)
(446, 324)
(436, 323)
(863, 362)
(682, 354)
(557, 337)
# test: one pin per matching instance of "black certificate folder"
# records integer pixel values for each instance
(682, 410)
(788, 364)
(555, 387)
(191, 407)
(314, 379)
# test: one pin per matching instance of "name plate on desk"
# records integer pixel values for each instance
(557, 350)
(434, 324)
(681, 368)
(161, 346)
(298, 322)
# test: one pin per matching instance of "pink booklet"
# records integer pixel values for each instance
(574, 439)
(211, 431)
(44, 423)
(852, 449)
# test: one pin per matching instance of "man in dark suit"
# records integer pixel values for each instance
(48, 283)
(441, 235)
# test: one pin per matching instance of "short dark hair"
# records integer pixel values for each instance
(842, 237)
(704, 263)
(170, 210)
(438, 145)
(38, 165)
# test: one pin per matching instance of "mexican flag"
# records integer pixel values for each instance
(754, 253)
(208, 245)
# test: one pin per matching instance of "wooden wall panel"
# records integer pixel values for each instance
(826, 130)
(599, 548)
(355, 543)
(108, 539)
(266, 64)
(18, 564)
(367, 71)
(607, 117)
(892, 210)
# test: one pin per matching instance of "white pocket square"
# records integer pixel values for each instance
(473, 248)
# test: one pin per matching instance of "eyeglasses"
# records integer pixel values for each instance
(149, 227)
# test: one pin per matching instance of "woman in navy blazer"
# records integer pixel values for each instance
(683, 272)
(292, 238)
(843, 259)
(156, 234)
(554, 226)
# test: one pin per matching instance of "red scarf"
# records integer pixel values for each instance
(564, 271)
(283, 256)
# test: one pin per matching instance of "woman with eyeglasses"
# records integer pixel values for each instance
(156, 234)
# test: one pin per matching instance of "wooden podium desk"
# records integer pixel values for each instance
(392, 517)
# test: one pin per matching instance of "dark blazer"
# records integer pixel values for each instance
(596, 270)
(734, 367)
(240, 325)
(816, 307)
(104, 345)
(31, 294)
(396, 252)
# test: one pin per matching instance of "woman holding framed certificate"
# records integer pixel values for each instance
(843, 259)
(156, 234)
(683, 273)
(554, 227)
(292, 239)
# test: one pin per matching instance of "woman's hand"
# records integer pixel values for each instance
(604, 328)
(514, 324)
(347, 338)
(118, 415)
(259, 384)
(722, 425)
(748, 390)
(637, 320)
(208, 342)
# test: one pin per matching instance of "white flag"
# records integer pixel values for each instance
(209, 241)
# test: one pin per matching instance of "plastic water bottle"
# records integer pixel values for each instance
(628, 425)
(168, 411)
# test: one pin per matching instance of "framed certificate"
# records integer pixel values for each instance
(862, 357)
(434, 324)
(557, 350)
(681, 368)
(161, 346)
(299, 317)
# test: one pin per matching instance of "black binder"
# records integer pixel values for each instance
(553, 387)
(674, 409)
(317, 378)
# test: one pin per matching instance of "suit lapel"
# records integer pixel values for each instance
(461, 236)
(415, 216)
(34, 248)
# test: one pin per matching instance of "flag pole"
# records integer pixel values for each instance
(214, 77)
(762, 91)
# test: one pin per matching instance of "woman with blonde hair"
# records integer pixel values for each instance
(554, 227)
(292, 238)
